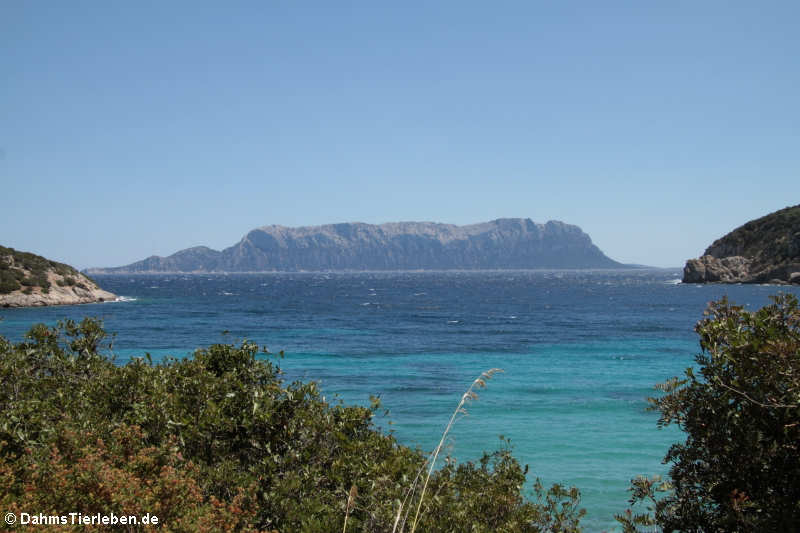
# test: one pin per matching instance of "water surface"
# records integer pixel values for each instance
(580, 351)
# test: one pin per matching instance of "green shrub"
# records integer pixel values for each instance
(8, 282)
(29, 270)
(36, 281)
(236, 439)
(739, 466)
(66, 281)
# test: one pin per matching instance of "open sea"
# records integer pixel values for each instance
(580, 350)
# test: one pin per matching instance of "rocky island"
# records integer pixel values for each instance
(512, 243)
(28, 280)
(765, 250)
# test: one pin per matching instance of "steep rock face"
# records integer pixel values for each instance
(28, 280)
(499, 244)
(765, 250)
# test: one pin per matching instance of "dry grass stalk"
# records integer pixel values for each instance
(469, 395)
(351, 500)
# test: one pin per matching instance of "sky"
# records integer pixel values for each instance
(130, 129)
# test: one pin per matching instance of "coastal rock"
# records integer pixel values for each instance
(512, 243)
(711, 269)
(765, 250)
(29, 280)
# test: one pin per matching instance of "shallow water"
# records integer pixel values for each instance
(580, 351)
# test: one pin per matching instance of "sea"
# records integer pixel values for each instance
(580, 353)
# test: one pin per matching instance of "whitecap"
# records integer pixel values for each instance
(125, 299)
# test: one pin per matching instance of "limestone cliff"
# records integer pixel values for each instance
(28, 280)
(499, 244)
(765, 250)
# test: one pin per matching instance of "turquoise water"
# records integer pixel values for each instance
(574, 412)
(580, 351)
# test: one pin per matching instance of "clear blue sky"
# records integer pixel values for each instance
(136, 128)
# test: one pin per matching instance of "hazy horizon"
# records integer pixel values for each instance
(132, 130)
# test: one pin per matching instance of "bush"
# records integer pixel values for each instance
(30, 270)
(39, 280)
(739, 466)
(66, 281)
(8, 282)
(123, 477)
(219, 439)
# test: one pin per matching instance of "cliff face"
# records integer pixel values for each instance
(765, 250)
(28, 280)
(499, 244)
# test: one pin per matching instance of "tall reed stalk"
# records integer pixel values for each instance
(351, 500)
(479, 383)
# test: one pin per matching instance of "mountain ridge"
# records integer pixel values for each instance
(508, 243)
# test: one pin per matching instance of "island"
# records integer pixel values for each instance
(29, 280)
(510, 243)
(764, 250)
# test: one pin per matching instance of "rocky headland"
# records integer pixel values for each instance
(29, 280)
(765, 250)
(513, 243)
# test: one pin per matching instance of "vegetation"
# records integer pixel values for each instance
(219, 442)
(775, 235)
(738, 469)
(24, 270)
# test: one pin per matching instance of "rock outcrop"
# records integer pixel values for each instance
(765, 250)
(28, 280)
(499, 244)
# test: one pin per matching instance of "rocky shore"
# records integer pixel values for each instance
(57, 296)
(29, 280)
(765, 250)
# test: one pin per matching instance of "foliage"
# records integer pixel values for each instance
(66, 281)
(31, 270)
(8, 282)
(776, 235)
(219, 442)
(123, 477)
(739, 466)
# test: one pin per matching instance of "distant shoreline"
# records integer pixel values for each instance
(103, 272)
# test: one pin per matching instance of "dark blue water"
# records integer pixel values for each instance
(580, 352)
